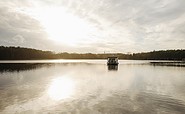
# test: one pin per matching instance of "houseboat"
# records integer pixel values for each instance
(112, 61)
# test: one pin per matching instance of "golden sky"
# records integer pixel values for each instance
(93, 25)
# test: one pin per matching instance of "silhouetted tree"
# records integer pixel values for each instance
(20, 53)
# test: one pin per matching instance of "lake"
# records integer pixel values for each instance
(91, 87)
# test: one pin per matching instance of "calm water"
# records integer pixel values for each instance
(91, 87)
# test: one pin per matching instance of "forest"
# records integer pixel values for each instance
(21, 53)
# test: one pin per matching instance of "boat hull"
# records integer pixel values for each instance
(112, 63)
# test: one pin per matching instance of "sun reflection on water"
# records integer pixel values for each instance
(61, 88)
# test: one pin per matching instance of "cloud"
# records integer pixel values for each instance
(20, 30)
(18, 39)
(119, 25)
(142, 26)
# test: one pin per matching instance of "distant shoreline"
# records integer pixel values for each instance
(90, 59)
(21, 53)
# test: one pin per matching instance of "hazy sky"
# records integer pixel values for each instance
(93, 25)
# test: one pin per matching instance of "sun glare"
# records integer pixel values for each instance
(61, 88)
(63, 27)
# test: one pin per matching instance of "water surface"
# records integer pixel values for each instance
(91, 87)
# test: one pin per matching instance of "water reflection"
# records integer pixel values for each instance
(168, 63)
(9, 67)
(88, 88)
(112, 67)
(61, 88)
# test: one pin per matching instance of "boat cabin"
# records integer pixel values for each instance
(112, 61)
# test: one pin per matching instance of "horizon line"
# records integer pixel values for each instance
(104, 52)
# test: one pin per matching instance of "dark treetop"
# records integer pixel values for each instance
(20, 53)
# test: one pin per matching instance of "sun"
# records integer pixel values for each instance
(62, 26)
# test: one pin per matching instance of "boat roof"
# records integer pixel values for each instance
(112, 57)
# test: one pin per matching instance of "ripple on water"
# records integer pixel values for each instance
(127, 102)
(142, 103)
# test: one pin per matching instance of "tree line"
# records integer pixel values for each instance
(21, 53)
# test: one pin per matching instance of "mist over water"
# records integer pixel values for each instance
(91, 87)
